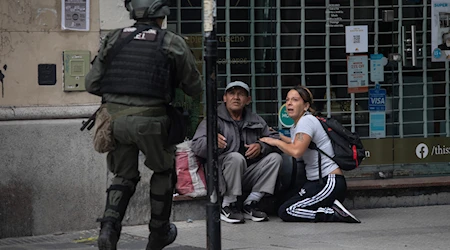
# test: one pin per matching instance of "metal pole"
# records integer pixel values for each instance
(213, 206)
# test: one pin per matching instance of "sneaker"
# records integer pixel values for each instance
(343, 214)
(231, 214)
(252, 212)
(157, 242)
(109, 236)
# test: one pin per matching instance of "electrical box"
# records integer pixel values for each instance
(76, 66)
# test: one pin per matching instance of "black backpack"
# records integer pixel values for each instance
(348, 148)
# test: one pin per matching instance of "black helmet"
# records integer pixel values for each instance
(147, 9)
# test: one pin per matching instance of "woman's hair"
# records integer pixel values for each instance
(307, 96)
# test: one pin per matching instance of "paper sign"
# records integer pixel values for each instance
(440, 30)
(356, 39)
(376, 68)
(75, 15)
(357, 74)
(377, 124)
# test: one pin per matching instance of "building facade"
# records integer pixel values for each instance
(54, 181)
(275, 45)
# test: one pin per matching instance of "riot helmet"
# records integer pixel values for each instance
(147, 9)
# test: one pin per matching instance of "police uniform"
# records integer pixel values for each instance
(139, 82)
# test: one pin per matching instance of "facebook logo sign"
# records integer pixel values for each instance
(421, 150)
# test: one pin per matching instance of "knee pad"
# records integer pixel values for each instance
(117, 201)
(161, 194)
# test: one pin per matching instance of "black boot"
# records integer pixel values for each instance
(111, 224)
(157, 240)
(109, 235)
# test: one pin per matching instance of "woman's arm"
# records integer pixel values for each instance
(285, 138)
(295, 149)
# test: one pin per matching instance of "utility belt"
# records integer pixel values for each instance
(117, 110)
(111, 111)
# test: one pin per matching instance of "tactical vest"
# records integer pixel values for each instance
(140, 68)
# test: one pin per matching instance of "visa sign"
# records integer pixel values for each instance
(377, 99)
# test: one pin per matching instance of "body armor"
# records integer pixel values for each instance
(140, 68)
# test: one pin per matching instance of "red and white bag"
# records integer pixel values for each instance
(190, 172)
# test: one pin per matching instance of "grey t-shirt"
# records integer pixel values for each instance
(308, 124)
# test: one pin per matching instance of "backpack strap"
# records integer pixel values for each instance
(312, 145)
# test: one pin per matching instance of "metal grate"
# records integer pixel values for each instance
(275, 45)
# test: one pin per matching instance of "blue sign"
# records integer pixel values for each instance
(377, 124)
(377, 99)
(376, 68)
(285, 132)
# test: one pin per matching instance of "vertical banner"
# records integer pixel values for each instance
(377, 112)
(377, 62)
(75, 15)
(440, 30)
(358, 80)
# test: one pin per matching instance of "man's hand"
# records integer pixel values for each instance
(221, 141)
(253, 150)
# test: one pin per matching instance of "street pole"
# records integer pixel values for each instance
(213, 240)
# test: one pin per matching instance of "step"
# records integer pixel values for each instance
(361, 194)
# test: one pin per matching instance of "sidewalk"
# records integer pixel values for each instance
(425, 227)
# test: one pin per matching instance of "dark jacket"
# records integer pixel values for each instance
(254, 128)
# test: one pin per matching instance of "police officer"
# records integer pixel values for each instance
(136, 79)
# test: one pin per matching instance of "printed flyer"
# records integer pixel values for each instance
(440, 30)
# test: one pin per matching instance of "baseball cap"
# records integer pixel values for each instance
(237, 84)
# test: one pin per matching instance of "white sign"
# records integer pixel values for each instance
(356, 39)
(377, 67)
(358, 80)
(75, 15)
(377, 124)
(440, 30)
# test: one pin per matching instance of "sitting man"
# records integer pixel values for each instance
(245, 164)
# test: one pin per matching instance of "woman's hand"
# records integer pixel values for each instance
(269, 140)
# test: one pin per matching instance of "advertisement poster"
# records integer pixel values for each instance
(440, 30)
(75, 15)
(358, 80)
(356, 39)
(377, 62)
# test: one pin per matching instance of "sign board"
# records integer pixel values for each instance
(377, 67)
(377, 124)
(440, 30)
(284, 118)
(377, 99)
(75, 15)
(285, 132)
(356, 39)
(357, 77)
(406, 150)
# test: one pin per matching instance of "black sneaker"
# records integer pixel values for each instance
(252, 212)
(343, 214)
(109, 236)
(231, 214)
(158, 242)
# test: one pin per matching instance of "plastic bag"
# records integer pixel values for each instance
(190, 172)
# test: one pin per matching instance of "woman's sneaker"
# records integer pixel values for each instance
(231, 214)
(252, 212)
(343, 214)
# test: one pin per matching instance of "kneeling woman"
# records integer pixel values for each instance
(318, 201)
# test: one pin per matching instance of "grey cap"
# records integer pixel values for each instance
(237, 84)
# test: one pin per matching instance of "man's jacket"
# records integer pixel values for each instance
(254, 128)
